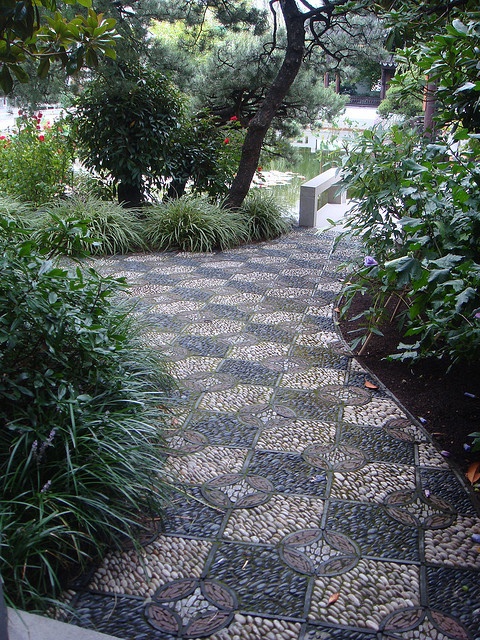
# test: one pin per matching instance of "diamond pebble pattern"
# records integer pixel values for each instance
(305, 506)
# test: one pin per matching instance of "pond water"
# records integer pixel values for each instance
(284, 178)
(316, 153)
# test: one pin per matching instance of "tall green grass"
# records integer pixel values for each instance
(76, 226)
(82, 404)
(265, 216)
(193, 224)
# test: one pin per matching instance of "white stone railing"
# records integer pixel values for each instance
(311, 214)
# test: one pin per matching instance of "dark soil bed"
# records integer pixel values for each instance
(441, 401)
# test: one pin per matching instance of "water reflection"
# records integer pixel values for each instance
(284, 178)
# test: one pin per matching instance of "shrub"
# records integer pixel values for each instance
(35, 160)
(80, 420)
(124, 127)
(193, 224)
(417, 217)
(266, 217)
(76, 227)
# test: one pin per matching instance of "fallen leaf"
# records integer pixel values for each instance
(473, 473)
(333, 598)
(337, 310)
(370, 385)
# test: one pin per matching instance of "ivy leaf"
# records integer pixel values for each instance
(463, 297)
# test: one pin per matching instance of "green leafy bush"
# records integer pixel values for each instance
(206, 156)
(417, 215)
(265, 216)
(193, 224)
(81, 414)
(417, 209)
(77, 227)
(35, 160)
(125, 126)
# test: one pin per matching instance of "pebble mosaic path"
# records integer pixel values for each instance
(312, 508)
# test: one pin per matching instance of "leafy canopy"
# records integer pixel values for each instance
(38, 30)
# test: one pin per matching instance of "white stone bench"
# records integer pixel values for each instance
(311, 215)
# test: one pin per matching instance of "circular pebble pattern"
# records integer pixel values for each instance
(317, 503)
(235, 491)
(267, 416)
(185, 442)
(286, 364)
(419, 624)
(334, 458)
(419, 509)
(403, 429)
(209, 381)
(191, 608)
(319, 552)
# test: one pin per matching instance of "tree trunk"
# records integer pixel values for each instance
(129, 195)
(260, 123)
(430, 109)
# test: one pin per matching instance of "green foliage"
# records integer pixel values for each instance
(37, 92)
(85, 184)
(80, 420)
(21, 212)
(125, 126)
(266, 217)
(451, 59)
(241, 72)
(417, 214)
(398, 102)
(77, 227)
(45, 36)
(206, 155)
(193, 224)
(35, 160)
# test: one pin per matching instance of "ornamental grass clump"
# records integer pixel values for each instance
(265, 216)
(76, 226)
(193, 224)
(82, 404)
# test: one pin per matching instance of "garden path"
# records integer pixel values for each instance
(324, 510)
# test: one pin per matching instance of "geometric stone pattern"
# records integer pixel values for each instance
(305, 506)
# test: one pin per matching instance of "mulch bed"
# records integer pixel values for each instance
(441, 400)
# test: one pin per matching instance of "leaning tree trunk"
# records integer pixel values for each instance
(260, 123)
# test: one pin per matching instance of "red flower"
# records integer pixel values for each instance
(3, 137)
(259, 168)
(41, 138)
(38, 127)
(226, 141)
(233, 119)
(20, 112)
